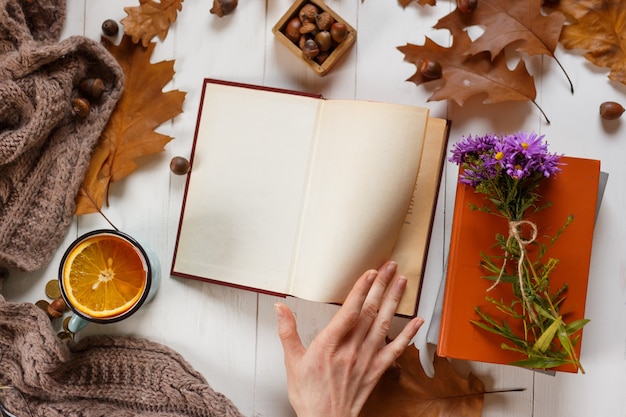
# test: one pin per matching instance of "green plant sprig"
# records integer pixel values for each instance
(548, 341)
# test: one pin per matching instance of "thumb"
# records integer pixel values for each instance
(287, 332)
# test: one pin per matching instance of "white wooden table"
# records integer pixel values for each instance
(230, 335)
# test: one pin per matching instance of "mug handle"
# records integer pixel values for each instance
(76, 323)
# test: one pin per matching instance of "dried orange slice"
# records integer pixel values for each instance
(104, 276)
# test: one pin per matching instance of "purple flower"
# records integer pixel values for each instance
(472, 146)
(519, 155)
(550, 165)
(505, 167)
(528, 145)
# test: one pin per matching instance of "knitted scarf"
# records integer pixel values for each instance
(45, 147)
(98, 376)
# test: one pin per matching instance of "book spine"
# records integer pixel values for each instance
(459, 201)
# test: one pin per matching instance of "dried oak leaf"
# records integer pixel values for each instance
(130, 133)
(406, 391)
(464, 76)
(150, 19)
(405, 3)
(506, 22)
(598, 27)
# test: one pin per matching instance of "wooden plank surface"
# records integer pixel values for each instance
(229, 335)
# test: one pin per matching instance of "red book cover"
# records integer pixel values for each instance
(573, 191)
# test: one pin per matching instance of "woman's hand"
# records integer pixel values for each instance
(335, 375)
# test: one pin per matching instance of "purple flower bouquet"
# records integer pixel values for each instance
(508, 170)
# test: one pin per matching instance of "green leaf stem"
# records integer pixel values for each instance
(546, 341)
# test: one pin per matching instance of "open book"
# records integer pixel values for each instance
(293, 194)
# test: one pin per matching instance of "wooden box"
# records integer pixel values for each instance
(321, 67)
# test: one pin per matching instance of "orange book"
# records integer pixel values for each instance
(574, 191)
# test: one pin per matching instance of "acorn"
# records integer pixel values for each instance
(93, 87)
(59, 304)
(110, 27)
(223, 7)
(56, 308)
(310, 48)
(430, 70)
(292, 30)
(338, 31)
(81, 106)
(53, 314)
(323, 40)
(466, 6)
(179, 165)
(610, 110)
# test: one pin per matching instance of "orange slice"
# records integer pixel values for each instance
(104, 276)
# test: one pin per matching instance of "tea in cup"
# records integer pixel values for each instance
(105, 276)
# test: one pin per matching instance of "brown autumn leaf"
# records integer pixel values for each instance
(507, 22)
(406, 391)
(466, 76)
(150, 19)
(598, 27)
(405, 3)
(130, 132)
(93, 190)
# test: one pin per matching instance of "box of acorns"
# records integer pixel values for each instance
(315, 34)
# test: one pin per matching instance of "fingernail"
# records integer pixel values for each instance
(371, 276)
(401, 283)
(391, 267)
(417, 324)
(278, 309)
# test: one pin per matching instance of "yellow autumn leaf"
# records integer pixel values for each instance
(130, 132)
(150, 19)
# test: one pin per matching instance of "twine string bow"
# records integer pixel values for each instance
(515, 228)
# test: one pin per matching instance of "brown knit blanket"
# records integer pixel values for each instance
(45, 147)
(98, 376)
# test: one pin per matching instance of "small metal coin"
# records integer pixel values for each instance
(52, 289)
(65, 335)
(43, 304)
(66, 323)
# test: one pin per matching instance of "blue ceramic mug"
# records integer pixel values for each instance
(104, 262)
